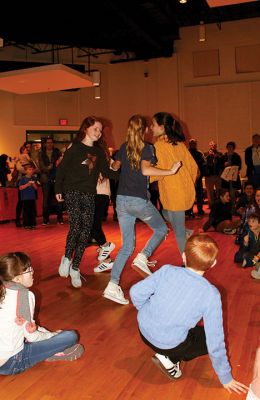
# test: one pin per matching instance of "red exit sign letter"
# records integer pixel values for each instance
(63, 122)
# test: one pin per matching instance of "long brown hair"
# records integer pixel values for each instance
(137, 125)
(86, 123)
(12, 265)
(172, 127)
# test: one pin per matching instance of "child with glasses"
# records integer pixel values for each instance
(23, 343)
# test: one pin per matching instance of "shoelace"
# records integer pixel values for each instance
(83, 277)
(120, 291)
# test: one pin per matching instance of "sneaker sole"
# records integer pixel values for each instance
(139, 269)
(75, 354)
(76, 286)
(107, 296)
(158, 363)
(102, 270)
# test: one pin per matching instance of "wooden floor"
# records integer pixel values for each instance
(116, 364)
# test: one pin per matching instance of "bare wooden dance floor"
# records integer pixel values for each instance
(116, 364)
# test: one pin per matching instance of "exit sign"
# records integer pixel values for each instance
(63, 122)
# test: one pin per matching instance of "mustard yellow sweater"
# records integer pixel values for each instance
(177, 192)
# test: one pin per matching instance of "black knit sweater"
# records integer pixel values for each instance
(80, 169)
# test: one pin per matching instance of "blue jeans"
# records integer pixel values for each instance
(128, 209)
(35, 352)
(177, 221)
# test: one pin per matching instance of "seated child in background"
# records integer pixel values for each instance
(171, 302)
(28, 189)
(248, 251)
(23, 343)
(220, 216)
(254, 390)
(244, 207)
(246, 198)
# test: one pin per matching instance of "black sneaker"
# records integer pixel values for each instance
(18, 224)
(60, 221)
(45, 222)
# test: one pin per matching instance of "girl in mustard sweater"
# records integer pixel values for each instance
(177, 192)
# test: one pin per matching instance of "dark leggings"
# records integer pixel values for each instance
(81, 208)
(193, 346)
(97, 233)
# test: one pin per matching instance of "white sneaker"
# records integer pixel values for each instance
(75, 278)
(115, 293)
(104, 266)
(141, 263)
(170, 369)
(104, 251)
(64, 268)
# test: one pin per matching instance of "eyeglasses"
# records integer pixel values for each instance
(30, 270)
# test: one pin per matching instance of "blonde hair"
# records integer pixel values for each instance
(201, 252)
(135, 140)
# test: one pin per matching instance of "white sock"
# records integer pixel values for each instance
(167, 363)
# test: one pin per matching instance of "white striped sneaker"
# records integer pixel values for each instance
(172, 370)
(104, 266)
(104, 251)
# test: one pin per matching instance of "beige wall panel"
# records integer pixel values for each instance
(248, 58)
(234, 114)
(255, 104)
(200, 114)
(62, 105)
(206, 63)
(129, 93)
(168, 86)
(11, 137)
(30, 109)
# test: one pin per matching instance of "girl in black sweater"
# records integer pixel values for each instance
(76, 180)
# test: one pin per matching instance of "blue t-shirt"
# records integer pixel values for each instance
(29, 193)
(133, 182)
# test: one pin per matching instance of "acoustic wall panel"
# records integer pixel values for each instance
(206, 63)
(248, 58)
